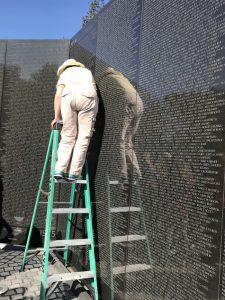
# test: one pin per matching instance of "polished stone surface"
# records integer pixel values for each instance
(160, 70)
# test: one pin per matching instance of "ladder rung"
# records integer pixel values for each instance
(42, 249)
(46, 202)
(70, 276)
(130, 268)
(127, 238)
(80, 181)
(58, 249)
(70, 210)
(125, 209)
(114, 182)
(77, 242)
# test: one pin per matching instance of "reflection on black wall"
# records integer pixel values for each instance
(156, 159)
(159, 67)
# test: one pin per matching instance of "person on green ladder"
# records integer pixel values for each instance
(76, 102)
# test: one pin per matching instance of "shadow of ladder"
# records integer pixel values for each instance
(114, 271)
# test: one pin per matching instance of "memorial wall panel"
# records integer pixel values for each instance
(85, 50)
(160, 72)
(2, 63)
(181, 84)
(116, 75)
(156, 159)
(26, 113)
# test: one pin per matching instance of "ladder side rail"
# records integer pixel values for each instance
(69, 221)
(49, 217)
(110, 237)
(90, 233)
(37, 201)
(144, 225)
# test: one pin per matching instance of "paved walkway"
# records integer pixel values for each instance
(26, 285)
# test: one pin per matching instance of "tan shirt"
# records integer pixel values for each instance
(77, 76)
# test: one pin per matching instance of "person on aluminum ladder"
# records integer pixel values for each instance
(76, 102)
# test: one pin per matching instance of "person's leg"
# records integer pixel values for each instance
(135, 113)
(131, 157)
(86, 121)
(68, 135)
(122, 150)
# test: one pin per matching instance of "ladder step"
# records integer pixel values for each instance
(114, 182)
(46, 202)
(70, 210)
(80, 181)
(77, 242)
(42, 249)
(127, 238)
(130, 268)
(124, 209)
(69, 276)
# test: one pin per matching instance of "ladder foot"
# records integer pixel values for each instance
(51, 289)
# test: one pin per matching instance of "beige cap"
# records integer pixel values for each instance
(69, 63)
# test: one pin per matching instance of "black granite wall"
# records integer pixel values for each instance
(156, 158)
(159, 186)
(27, 87)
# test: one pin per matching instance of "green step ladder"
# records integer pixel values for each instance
(48, 284)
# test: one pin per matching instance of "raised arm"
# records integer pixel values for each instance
(57, 104)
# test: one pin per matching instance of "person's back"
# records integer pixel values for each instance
(77, 103)
(77, 77)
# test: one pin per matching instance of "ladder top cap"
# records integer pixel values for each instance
(58, 125)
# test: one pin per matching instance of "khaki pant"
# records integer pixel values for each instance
(79, 107)
(134, 110)
(125, 107)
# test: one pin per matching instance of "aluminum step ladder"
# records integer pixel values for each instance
(48, 284)
(125, 239)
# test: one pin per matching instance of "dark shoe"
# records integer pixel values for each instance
(72, 178)
(124, 180)
(59, 175)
